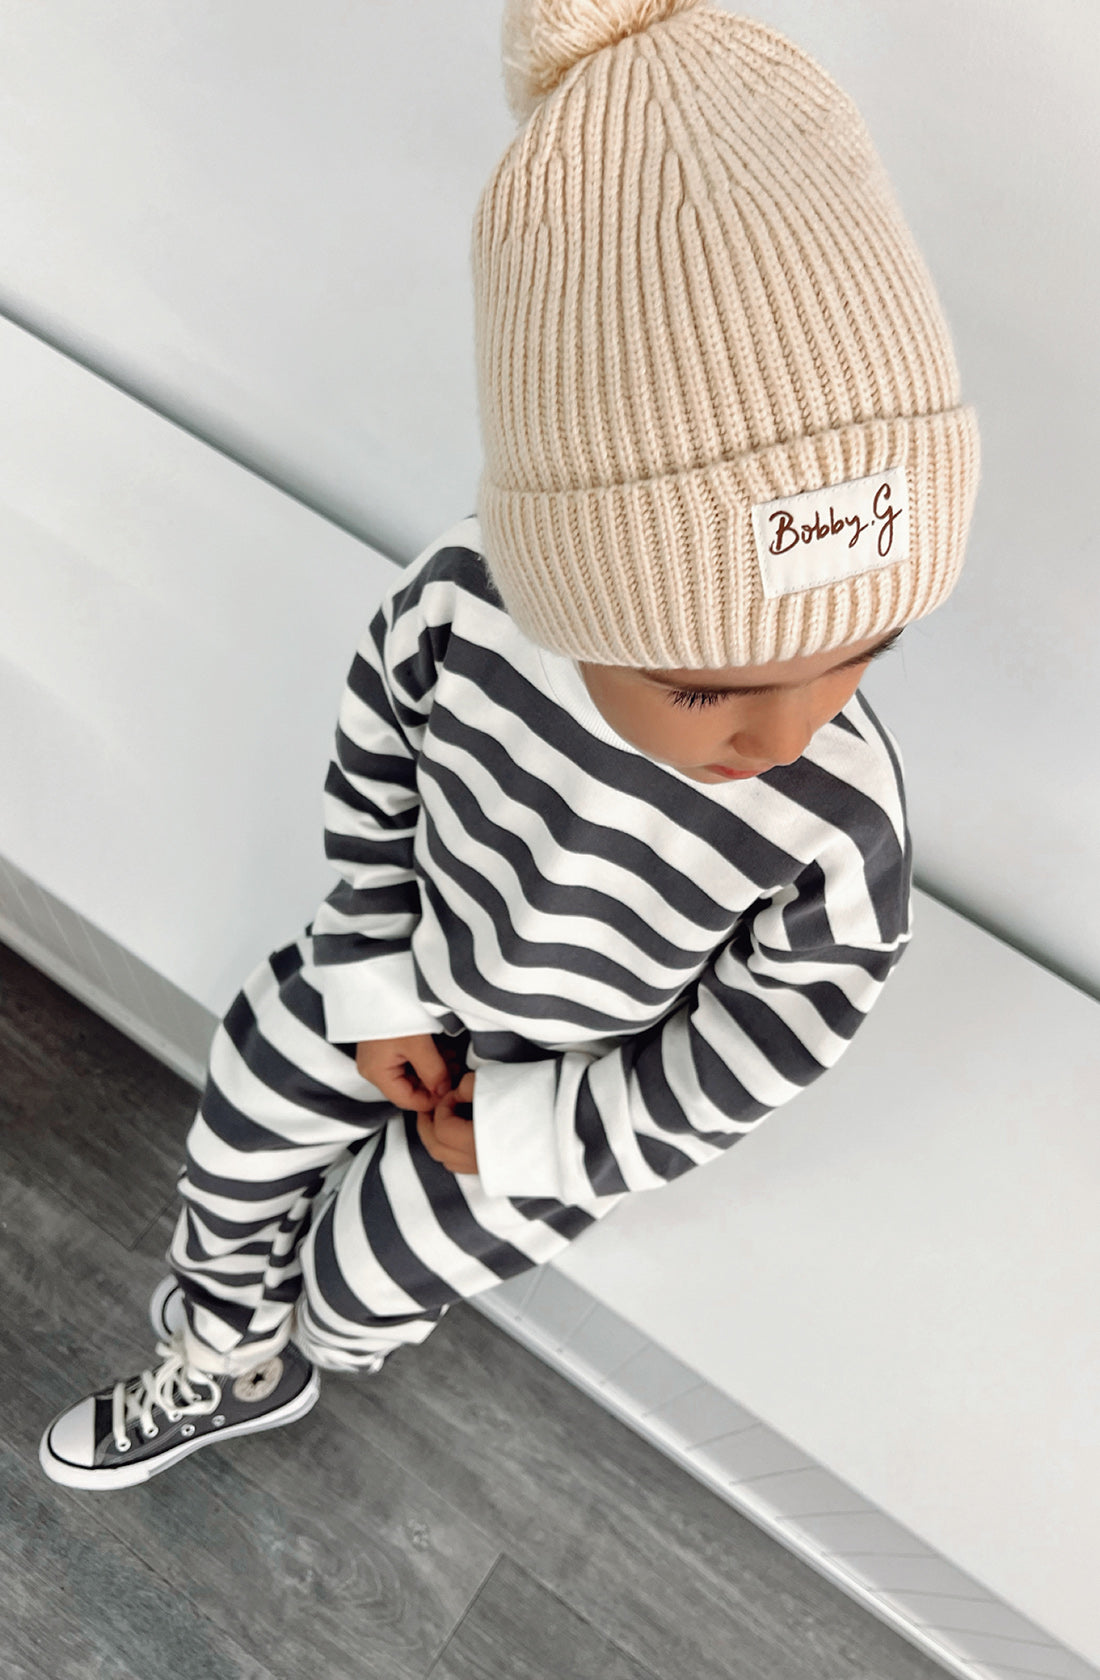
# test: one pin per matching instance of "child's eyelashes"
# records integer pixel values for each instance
(692, 697)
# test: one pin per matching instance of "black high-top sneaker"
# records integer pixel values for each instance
(136, 1428)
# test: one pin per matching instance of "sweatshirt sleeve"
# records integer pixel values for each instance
(774, 1008)
(362, 933)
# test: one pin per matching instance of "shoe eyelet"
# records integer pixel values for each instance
(123, 1446)
(150, 1434)
(173, 1417)
(188, 1429)
(218, 1421)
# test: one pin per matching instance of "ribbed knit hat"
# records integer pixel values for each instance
(719, 405)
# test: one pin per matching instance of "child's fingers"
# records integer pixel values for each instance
(464, 1090)
(455, 1133)
(409, 1071)
(461, 1096)
(451, 1130)
(399, 1089)
(448, 1141)
(424, 1057)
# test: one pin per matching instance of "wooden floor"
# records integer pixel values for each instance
(465, 1515)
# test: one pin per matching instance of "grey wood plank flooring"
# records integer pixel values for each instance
(65, 1076)
(662, 1566)
(78, 1602)
(467, 1513)
(516, 1628)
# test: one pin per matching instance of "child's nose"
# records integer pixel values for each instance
(778, 733)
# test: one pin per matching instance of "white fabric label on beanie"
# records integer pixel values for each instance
(837, 532)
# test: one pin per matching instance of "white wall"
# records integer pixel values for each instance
(257, 215)
(988, 118)
(173, 642)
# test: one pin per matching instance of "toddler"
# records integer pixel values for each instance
(622, 853)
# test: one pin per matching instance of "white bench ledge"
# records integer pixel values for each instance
(901, 1272)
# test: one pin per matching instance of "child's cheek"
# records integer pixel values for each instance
(684, 736)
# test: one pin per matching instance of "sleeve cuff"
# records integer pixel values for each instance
(514, 1133)
(373, 999)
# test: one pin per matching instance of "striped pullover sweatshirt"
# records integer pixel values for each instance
(645, 965)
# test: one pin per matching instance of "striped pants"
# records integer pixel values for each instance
(312, 1209)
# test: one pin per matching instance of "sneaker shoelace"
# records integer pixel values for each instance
(171, 1388)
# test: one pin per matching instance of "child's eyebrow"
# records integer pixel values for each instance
(771, 688)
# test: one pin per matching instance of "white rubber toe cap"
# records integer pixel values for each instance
(72, 1437)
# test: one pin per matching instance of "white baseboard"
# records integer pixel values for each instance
(97, 970)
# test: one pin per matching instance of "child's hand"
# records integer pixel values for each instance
(410, 1072)
(447, 1136)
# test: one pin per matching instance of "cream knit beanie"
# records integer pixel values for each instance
(719, 404)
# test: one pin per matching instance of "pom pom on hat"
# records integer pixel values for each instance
(543, 39)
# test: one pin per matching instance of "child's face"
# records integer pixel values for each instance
(724, 725)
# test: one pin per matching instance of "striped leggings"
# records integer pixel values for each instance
(311, 1208)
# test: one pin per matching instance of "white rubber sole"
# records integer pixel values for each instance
(131, 1475)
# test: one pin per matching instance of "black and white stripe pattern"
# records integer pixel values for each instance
(646, 965)
(641, 967)
(305, 1193)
